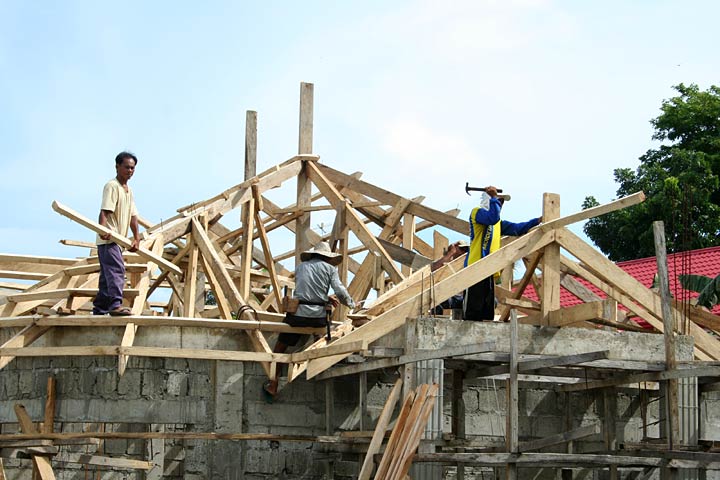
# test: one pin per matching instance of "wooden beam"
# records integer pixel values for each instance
(304, 187)
(23, 338)
(619, 204)
(709, 371)
(575, 434)
(550, 293)
(672, 416)
(380, 429)
(417, 356)
(269, 263)
(119, 239)
(42, 464)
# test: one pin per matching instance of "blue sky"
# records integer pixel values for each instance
(422, 96)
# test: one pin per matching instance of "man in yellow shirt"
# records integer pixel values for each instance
(117, 212)
(486, 228)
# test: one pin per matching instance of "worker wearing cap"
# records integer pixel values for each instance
(486, 228)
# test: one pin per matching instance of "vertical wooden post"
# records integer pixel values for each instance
(250, 144)
(458, 416)
(190, 291)
(673, 426)
(567, 473)
(329, 414)
(408, 239)
(247, 213)
(49, 419)
(304, 186)
(550, 298)
(408, 370)
(609, 434)
(511, 432)
(440, 244)
(362, 399)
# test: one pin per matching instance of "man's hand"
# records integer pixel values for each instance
(135, 245)
(105, 236)
(333, 299)
(491, 191)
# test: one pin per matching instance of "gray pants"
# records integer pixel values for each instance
(112, 279)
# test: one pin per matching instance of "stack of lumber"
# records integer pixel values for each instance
(406, 434)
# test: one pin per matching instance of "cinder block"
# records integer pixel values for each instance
(152, 384)
(83, 362)
(106, 383)
(129, 384)
(40, 362)
(199, 385)
(9, 380)
(115, 446)
(177, 384)
(179, 364)
(24, 363)
(60, 362)
(25, 382)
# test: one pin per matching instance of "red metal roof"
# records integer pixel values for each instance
(705, 261)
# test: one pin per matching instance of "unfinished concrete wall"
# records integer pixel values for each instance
(168, 394)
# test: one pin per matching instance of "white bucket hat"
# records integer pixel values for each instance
(322, 249)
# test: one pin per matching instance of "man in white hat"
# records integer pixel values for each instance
(313, 278)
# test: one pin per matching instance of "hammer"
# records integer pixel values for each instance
(469, 189)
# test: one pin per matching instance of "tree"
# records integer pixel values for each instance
(680, 180)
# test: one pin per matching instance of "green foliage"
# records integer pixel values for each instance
(680, 181)
(708, 288)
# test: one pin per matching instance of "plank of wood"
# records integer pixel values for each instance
(417, 356)
(119, 239)
(522, 285)
(576, 313)
(63, 292)
(22, 339)
(270, 264)
(229, 355)
(550, 292)
(142, 286)
(49, 418)
(619, 204)
(100, 460)
(575, 359)
(191, 287)
(380, 428)
(394, 440)
(23, 275)
(671, 394)
(707, 371)
(574, 434)
(416, 433)
(395, 317)
(42, 464)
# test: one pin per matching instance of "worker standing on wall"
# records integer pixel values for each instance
(486, 228)
(117, 213)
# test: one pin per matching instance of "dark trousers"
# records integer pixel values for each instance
(479, 302)
(112, 279)
(295, 321)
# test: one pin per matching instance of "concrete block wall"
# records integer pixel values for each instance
(194, 395)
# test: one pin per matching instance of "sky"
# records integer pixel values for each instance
(532, 96)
